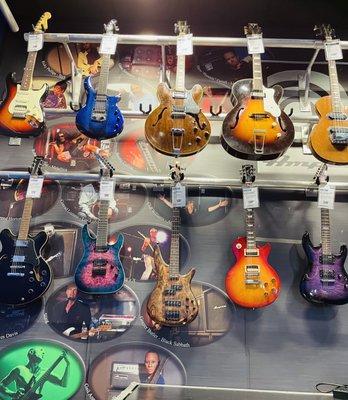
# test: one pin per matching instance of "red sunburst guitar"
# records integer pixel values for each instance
(251, 282)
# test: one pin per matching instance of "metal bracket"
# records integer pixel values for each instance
(76, 80)
(303, 84)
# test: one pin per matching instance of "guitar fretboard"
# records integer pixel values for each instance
(104, 75)
(28, 71)
(25, 221)
(250, 229)
(257, 73)
(334, 87)
(325, 232)
(180, 74)
(102, 228)
(174, 246)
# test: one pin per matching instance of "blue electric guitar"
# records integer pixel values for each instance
(100, 118)
(100, 270)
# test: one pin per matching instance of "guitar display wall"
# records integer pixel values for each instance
(290, 345)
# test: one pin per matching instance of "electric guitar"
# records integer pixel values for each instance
(326, 280)
(21, 113)
(172, 302)
(100, 118)
(256, 128)
(90, 332)
(177, 127)
(24, 275)
(100, 270)
(251, 282)
(328, 139)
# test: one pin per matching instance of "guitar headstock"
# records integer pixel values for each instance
(247, 174)
(111, 27)
(42, 23)
(252, 29)
(106, 168)
(176, 173)
(181, 28)
(35, 168)
(321, 175)
(324, 32)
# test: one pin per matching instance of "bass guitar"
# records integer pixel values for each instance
(172, 302)
(177, 127)
(328, 139)
(100, 118)
(100, 270)
(256, 128)
(251, 282)
(21, 113)
(24, 275)
(326, 281)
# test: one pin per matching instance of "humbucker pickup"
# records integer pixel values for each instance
(338, 135)
(21, 243)
(172, 303)
(17, 258)
(338, 116)
(172, 315)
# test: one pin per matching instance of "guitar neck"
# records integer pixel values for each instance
(334, 87)
(250, 229)
(28, 71)
(257, 73)
(104, 75)
(25, 221)
(180, 74)
(174, 245)
(102, 228)
(325, 232)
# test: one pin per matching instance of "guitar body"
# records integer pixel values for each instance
(159, 124)
(99, 272)
(33, 124)
(319, 139)
(30, 276)
(98, 125)
(252, 295)
(243, 125)
(324, 283)
(172, 302)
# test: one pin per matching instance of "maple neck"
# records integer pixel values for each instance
(27, 78)
(250, 229)
(25, 221)
(104, 74)
(180, 74)
(102, 227)
(334, 87)
(257, 73)
(174, 245)
(325, 232)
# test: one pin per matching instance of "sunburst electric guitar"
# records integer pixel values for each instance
(251, 282)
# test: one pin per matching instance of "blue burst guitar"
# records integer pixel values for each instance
(100, 118)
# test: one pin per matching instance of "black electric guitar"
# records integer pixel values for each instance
(24, 275)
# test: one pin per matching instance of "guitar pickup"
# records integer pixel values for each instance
(258, 116)
(337, 116)
(252, 282)
(251, 253)
(338, 135)
(179, 95)
(17, 258)
(178, 115)
(172, 303)
(21, 243)
(258, 94)
(172, 315)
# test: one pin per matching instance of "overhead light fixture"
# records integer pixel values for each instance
(9, 16)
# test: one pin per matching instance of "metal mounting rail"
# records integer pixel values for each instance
(165, 180)
(171, 40)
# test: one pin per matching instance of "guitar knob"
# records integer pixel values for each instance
(44, 272)
(204, 125)
(198, 139)
(266, 294)
(346, 286)
(274, 124)
(206, 135)
(266, 285)
(195, 129)
(31, 291)
(273, 281)
(42, 284)
(273, 291)
(339, 276)
(31, 279)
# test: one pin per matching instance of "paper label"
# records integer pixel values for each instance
(108, 44)
(179, 195)
(184, 46)
(333, 50)
(35, 41)
(35, 187)
(251, 197)
(255, 44)
(106, 189)
(326, 196)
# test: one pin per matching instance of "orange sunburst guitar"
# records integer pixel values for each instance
(251, 282)
(329, 138)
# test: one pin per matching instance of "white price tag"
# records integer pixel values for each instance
(35, 187)
(35, 41)
(255, 44)
(184, 46)
(106, 190)
(333, 50)
(326, 196)
(179, 195)
(251, 197)
(108, 44)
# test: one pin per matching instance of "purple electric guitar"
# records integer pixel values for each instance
(326, 281)
(100, 270)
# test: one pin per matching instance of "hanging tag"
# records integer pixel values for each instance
(255, 44)
(184, 46)
(15, 141)
(35, 187)
(326, 196)
(106, 189)
(333, 50)
(179, 195)
(251, 197)
(108, 44)
(35, 41)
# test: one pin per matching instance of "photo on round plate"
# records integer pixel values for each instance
(64, 146)
(204, 206)
(113, 370)
(95, 318)
(63, 249)
(137, 252)
(214, 319)
(82, 200)
(16, 320)
(12, 198)
(40, 369)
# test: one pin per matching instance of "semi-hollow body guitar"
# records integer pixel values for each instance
(177, 127)
(21, 113)
(100, 118)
